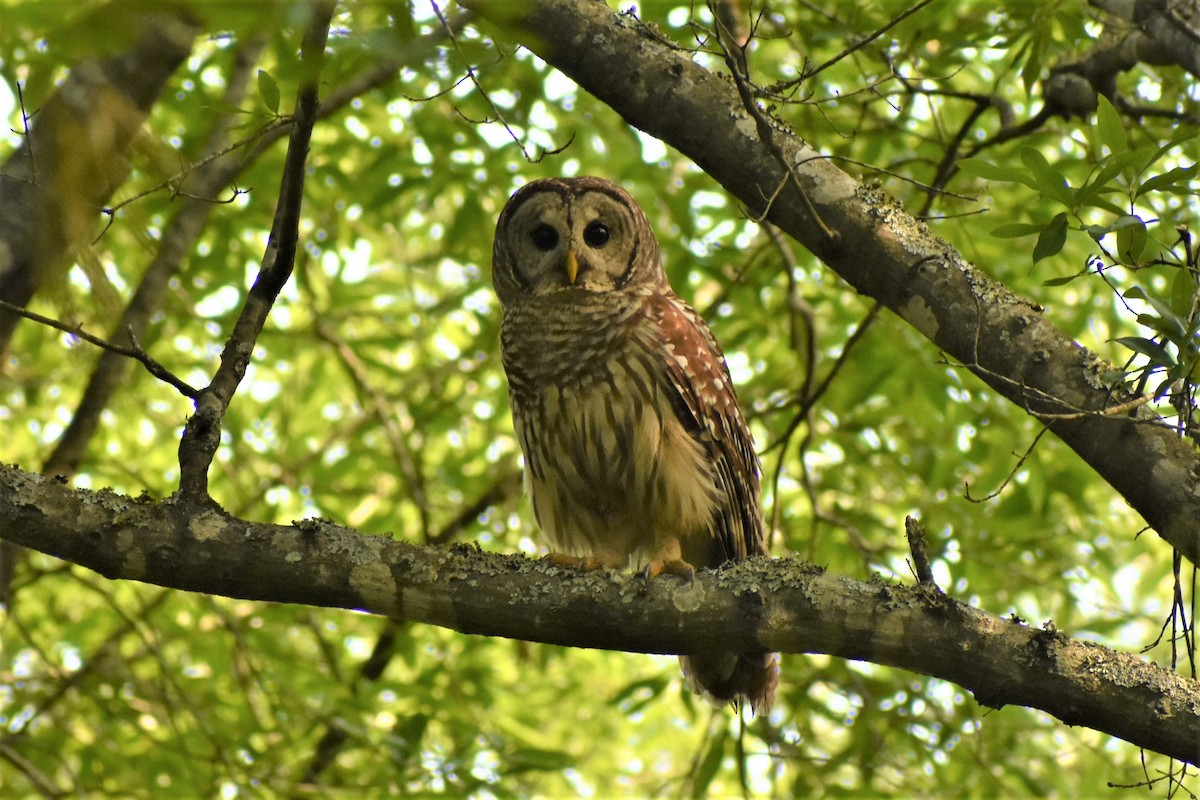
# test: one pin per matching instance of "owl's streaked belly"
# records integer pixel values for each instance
(612, 466)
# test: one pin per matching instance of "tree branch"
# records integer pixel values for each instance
(202, 434)
(134, 352)
(782, 605)
(203, 180)
(880, 250)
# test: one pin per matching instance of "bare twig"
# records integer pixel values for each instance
(806, 403)
(135, 351)
(1012, 473)
(452, 32)
(903, 15)
(735, 60)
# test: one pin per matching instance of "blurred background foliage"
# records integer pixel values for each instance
(376, 400)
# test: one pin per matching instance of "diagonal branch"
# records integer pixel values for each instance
(781, 605)
(879, 250)
(202, 434)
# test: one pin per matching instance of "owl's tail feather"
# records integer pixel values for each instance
(724, 678)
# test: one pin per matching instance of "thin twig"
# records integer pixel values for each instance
(1011, 473)
(135, 351)
(176, 181)
(864, 42)
(499, 115)
(385, 413)
(807, 402)
(735, 60)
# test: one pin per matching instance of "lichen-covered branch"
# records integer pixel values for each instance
(878, 249)
(781, 605)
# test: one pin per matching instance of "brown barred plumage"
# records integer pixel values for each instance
(637, 453)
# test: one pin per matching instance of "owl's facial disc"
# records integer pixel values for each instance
(577, 235)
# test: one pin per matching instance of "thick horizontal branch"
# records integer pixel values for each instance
(877, 248)
(766, 605)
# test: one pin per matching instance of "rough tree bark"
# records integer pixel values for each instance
(876, 247)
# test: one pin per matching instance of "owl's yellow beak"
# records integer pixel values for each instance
(572, 265)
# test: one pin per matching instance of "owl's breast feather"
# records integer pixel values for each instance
(609, 461)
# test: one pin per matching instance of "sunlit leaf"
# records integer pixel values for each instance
(1131, 238)
(1110, 126)
(1046, 179)
(268, 90)
(994, 172)
(1184, 287)
(1178, 178)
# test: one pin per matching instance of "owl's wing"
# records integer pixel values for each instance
(706, 404)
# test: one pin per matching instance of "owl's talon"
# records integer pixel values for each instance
(674, 566)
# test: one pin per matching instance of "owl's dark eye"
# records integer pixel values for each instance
(596, 234)
(544, 238)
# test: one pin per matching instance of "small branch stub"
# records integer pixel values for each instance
(919, 546)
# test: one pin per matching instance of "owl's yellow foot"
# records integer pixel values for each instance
(675, 566)
(669, 558)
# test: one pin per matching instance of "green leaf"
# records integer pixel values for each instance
(1183, 292)
(710, 765)
(1112, 131)
(1131, 238)
(632, 698)
(535, 758)
(1046, 179)
(1168, 322)
(268, 90)
(1169, 180)
(1065, 279)
(1103, 181)
(1175, 325)
(994, 172)
(1155, 351)
(1052, 238)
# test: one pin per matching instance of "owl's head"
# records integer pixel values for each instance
(570, 235)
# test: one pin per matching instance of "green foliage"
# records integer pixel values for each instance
(1149, 178)
(376, 399)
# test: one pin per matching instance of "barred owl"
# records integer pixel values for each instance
(636, 451)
